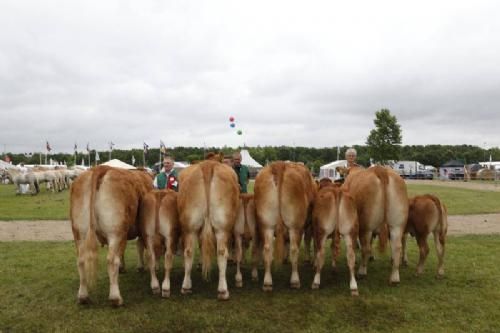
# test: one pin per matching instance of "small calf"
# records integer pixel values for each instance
(427, 214)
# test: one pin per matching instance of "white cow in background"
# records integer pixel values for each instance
(18, 178)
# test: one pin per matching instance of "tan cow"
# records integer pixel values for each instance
(334, 210)
(381, 198)
(245, 230)
(208, 203)
(159, 233)
(427, 214)
(284, 193)
(104, 204)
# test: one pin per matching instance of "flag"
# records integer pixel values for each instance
(96, 156)
(163, 148)
(76, 148)
(88, 148)
(48, 146)
(111, 145)
(133, 160)
(145, 148)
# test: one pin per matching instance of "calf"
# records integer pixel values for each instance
(159, 230)
(284, 193)
(208, 203)
(427, 214)
(245, 231)
(104, 203)
(335, 213)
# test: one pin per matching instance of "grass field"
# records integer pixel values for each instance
(49, 206)
(44, 206)
(39, 282)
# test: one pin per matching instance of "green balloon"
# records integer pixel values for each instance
(239, 132)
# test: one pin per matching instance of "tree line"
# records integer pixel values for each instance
(383, 144)
(435, 155)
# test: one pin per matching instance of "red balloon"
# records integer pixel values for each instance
(231, 119)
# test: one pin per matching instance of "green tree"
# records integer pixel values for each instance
(384, 141)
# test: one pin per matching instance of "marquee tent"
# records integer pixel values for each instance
(328, 170)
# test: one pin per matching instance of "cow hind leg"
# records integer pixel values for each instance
(320, 258)
(365, 240)
(83, 293)
(222, 254)
(188, 263)
(255, 260)
(295, 238)
(267, 252)
(349, 241)
(239, 255)
(424, 251)
(115, 252)
(396, 235)
(307, 244)
(155, 285)
(440, 253)
(405, 249)
(169, 260)
(140, 254)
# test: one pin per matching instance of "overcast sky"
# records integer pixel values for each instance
(308, 73)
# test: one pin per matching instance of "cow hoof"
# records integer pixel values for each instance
(165, 293)
(394, 283)
(267, 287)
(315, 286)
(116, 302)
(186, 291)
(440, 276)
(223, 295)
(239, 284)
(361, 276)
(83, 300)
(295, 285)
(355, 293)
(255, 278)
(156, 290)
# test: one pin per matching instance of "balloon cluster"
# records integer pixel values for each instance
(232, 124)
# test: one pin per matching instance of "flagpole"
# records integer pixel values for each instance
(143, 158)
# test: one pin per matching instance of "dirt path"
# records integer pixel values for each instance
(61, 230)
(486, 186)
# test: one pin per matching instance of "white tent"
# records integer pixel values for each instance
(119, 164)
(248, 160)
(328, 170)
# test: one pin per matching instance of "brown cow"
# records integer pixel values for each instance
(427, 214)
(381, 198)
(159, 230)
(334, 210)
(104, 204)
(284, 193)
(208, 203)
(245, 230)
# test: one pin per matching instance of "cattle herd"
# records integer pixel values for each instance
(110, 206)
(56, 179)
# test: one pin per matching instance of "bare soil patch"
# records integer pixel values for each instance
(61, 230)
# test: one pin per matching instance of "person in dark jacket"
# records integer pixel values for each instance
(242, 172)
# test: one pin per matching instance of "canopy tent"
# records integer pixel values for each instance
(116, 163)
(248, 160)
(329, 170)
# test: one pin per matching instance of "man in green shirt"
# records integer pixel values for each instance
(168, 177)
(241, 171)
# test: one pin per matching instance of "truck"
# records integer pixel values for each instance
(412, 170)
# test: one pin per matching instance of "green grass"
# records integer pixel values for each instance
(49, 206)
(44, 206)
(39, 282)
(461, 201)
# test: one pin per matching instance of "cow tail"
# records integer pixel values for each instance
(383, 235)
(207, 233)
(90, 245)
(278, 173)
